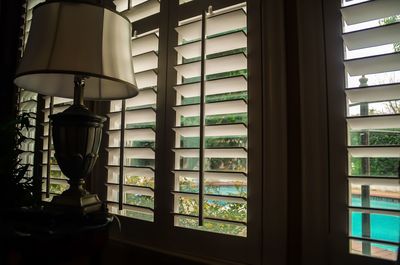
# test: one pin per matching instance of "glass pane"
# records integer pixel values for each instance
(139, 200)
(375, 196)
(374, 166)
(385, 227)
(233, 211)
(137, 214)
(379, 250)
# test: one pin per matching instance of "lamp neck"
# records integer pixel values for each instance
(79, 82)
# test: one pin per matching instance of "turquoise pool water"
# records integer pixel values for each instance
(383, 227)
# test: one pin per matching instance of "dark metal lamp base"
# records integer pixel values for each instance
(85, 204)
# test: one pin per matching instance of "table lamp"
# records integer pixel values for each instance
(77, 50)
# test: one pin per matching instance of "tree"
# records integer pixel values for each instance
(390, 20)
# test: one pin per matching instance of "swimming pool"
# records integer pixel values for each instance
(383, 226)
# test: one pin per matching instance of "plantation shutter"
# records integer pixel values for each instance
(27, 100)
(210, 151)
(372, 66)
(132, 122)
(53, 181)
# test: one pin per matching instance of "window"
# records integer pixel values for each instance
(182, 160)
(371, 37)
(210, 141)
(187, 166)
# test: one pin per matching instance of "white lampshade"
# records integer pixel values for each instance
(68, 39)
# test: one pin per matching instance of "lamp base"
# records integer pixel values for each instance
(76, 137)
(84, 204)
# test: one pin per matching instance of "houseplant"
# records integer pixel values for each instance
(17, 188)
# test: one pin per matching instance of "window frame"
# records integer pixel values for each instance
(161, 234)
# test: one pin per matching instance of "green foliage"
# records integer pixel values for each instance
(216, 55)
(225, 210)
(390, 20)
(216, 119)
(215, 141)
(139, 162)
(141, 125)
(17, 188)
(213, 226)
(215, 164)
(378, 166)
(216, 98)
(139, 215)
(58, 188)
(140, 181)
(242, 72)
(214, 209)
(143, 143)
(140, 200)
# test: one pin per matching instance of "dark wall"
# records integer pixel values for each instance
(10, 21)
(117, 253)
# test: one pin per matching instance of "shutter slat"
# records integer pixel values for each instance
(223, 107)
(144, 98)
(373, 64)
(374, 122)
(33, 3)
(217, 220)
(374, 93)
(140, 116)
(142, 10)
(225, 198)
(139, 190)
(145, 61)
(227, 42)
(212, 87)
(146, 78)
(375, 181)
(121, 5)
(139, 152)
(376, 151)
(374, 211)
(238, 152)
(147, 169)
(135, 133)
(215, 130)
(217, 24)
(370, 10)
(372, 37)
(145, 44)
(212, 174)
(213, 66)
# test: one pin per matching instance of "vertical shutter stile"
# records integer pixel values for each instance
(132, 126)
(202, 117)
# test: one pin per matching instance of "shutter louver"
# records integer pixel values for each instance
(211, 134)
(27, 100)
(372, 65)
(53, 181)
(132, 124)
